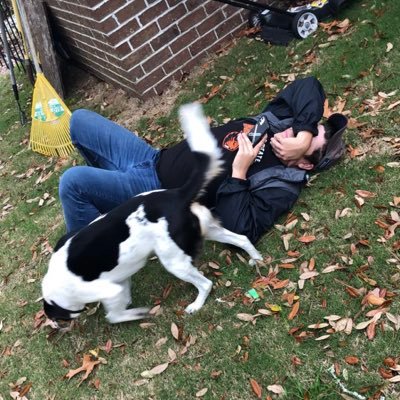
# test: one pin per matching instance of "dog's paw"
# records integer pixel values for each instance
(256, 261)
(192, 308)
(131, 314)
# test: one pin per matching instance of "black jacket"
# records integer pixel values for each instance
(252, 206)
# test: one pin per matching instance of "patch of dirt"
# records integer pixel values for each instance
(115, 103)
(92, 93)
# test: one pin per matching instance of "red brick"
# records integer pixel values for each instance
(78, 37)
(227, 26)
(205, 41)
(91, 3)
(177, 61)
(212, 6)
(124, 32)
(172, 16)
(92, 53)
(152, 13)
(156, 60)
(137, 56)
(106, 9)
(91, 46)
(165, 37)
(150, 80)
(191, 19)
(77, 10)
(123, 49)
(172, 3)
(193, 4)
(108, 25)
(144, 35)
(130, 10)
(67, 17)
(86, 53)
(136, 73)
(229, 11)
(183, 41)
(210, 23)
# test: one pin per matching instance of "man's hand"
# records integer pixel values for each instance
(290, 148)
(245, 155)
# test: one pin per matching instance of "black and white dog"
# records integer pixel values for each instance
(96, 264)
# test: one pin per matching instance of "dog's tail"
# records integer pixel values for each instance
(207, 155)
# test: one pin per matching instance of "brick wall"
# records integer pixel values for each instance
(142, 45)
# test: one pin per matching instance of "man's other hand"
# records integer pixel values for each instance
(287, 147)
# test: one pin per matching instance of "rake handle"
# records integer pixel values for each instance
(28, 33)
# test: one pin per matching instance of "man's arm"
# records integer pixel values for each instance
(303, 100)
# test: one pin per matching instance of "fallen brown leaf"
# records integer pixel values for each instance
(256, 388)
(352, 360)
(294, 311)
(389, 362)
(88, 365)
(385, 373)
(277, 389)
(308, 275)
(306, 239)
(155, 371)
(202, 392)
(371, 330)
(245, 317)
(365, 194)
(175, 331)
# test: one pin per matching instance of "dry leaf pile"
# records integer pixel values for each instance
(374, 314)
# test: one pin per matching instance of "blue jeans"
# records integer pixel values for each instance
(120, 166)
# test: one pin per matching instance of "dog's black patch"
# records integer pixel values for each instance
(55, 312)
(186, 233)
(183, 225)
(95, 248)
(63, 240)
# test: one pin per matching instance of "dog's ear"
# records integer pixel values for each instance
(97, 290)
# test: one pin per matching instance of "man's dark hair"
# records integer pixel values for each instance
(334, 147)
(315, 157)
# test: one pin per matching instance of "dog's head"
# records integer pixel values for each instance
(55, 312)
(65, 302)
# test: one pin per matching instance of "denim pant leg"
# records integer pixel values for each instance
(105, 144)
(125, 167)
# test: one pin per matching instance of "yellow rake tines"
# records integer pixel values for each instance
(50, 133)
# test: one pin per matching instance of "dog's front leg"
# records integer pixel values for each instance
(181, 266)
(218, 233)
(132, 314)
(116, 308)
(126, 292)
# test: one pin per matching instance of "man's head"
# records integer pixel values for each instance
(326, 148)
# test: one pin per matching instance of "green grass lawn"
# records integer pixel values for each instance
(229, 343)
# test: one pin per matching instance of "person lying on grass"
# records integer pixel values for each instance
(266, 160)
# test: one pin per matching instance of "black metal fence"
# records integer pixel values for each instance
(13, 38)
